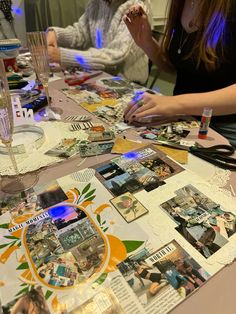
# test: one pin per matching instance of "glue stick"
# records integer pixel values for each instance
(205, 121)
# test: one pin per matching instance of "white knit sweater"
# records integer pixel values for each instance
(118, 55)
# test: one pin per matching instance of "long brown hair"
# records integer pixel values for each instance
(35, 296)
(211, 21)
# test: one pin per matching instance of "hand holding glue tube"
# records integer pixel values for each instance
(205, 122)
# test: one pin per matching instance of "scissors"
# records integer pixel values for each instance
(80, 79)
(218, 155)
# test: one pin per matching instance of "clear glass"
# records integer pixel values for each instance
(16, 183)
(37, 45)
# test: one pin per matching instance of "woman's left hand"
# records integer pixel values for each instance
(150, 105)
(54, 54)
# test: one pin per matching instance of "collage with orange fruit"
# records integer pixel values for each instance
(65, 243)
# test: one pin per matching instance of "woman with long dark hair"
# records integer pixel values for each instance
(199, 43)
(31, 303)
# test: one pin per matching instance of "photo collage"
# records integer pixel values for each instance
(150, 275)
(170, 133)
(144, 169)
(65, 247)
(201, 221)
(106, 98)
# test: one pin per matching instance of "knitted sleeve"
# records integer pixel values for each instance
(76, 36)
(112, 55)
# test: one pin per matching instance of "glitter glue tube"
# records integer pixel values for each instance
(205, 121)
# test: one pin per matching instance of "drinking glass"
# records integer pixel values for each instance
(17, 182)
(37, 45)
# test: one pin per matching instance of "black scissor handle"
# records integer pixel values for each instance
(225, 150)
(217, 155)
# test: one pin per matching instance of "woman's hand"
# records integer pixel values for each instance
(54, 54)
(137, 22)
(150, 105)
(51, 38)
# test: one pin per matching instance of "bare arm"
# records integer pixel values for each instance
(139, 27)
(222, 102)
(19, 306)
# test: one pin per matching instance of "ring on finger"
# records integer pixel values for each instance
(139, 103)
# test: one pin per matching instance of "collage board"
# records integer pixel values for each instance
(66, 237)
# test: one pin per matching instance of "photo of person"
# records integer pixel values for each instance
(129, 207)
(179, 268)
(200, 220)
(146, 281)
(32, 302)
(25, 202)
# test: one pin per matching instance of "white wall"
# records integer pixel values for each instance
(159, 11)
(20, 21)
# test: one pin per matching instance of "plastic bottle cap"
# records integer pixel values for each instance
(207, 112)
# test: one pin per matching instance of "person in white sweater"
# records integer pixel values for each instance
(100, 40)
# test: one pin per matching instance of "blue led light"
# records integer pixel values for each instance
(117, 78)
(57, 211)
(82, 62)
(131, 155)
(16, 10)
(137, 96)
(99, 40)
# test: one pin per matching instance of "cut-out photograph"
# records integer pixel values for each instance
(200, 220)
(50, 194)
(129, 207)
